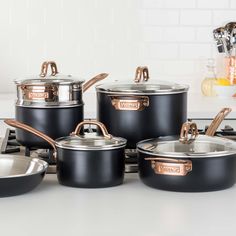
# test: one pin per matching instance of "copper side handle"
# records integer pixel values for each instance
(94, 80)
(169, 166)
(25, 127)
(184, 133)
(130, 103)
(217, 121)
(141, 73)
(92, 122)
(44, 68)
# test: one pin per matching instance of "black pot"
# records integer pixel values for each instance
(86, 161)
(139, 111)
(51, 104)
(196, 165)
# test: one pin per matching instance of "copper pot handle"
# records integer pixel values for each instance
(169, 166)
(184, 133)
(94, 80)
(92, 122)
(217, 121)
(25, 127)
(141, 73)
(134, 103)
(44, 68)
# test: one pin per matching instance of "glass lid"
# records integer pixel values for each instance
(202, 146)
(54, 77)
(90, 141)
(141, 85)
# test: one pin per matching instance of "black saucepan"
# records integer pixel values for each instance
(189, 162)
(88, 160)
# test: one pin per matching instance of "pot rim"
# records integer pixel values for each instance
(119, 143)
(187, 154)
(107, 148)
(144, 88)
(44, 165)
(49, 105)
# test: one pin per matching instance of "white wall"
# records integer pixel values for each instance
(86, 37)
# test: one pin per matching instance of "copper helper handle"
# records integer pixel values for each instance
(25, 127)
(184, 133)
(94, 80)
(169, 166)
(44, 68)
(217, 121)
(141, 73)
(92, 122)
(130, 103)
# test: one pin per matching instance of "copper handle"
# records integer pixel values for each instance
(169, 166)
(94, 80)
(184, 133)
(92, 122)
(130, 103)
(217, 121)
(25, 127)
(44, 68)
(141, 73)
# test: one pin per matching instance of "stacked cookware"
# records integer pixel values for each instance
(143, 113)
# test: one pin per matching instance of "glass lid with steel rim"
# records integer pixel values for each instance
(188, 145)
(54, 78)
(144, 87)
(90, 141)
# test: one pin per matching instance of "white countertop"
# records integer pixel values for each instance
(199, 107)
(128, 209)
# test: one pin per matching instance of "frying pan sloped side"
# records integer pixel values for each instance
(20, 174)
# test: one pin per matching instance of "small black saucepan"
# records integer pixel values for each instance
(88, 160)
(20, 174)
(189, 162)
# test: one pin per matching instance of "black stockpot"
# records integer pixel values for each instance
(85, 160)
(51, 104)
(139, 111)
(201, 163)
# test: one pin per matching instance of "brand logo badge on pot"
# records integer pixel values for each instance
(166, 168)
(38, 95)
(129, 105)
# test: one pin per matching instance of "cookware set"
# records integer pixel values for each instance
(143, 114)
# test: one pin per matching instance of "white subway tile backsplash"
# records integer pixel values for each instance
(204, 34)
(213, 4)
(171, 37)
(19, 12)
(162, 17)
(163, 51)
(221, 17)
(178, 34)
(152, 34)
(179, 3)
(195, 51)
(196, 17)
(232, 4)
(180, 67)
(152, 3)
